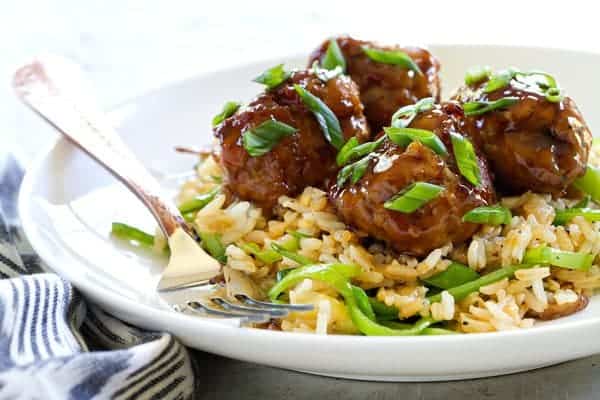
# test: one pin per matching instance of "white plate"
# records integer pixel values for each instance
(67, 204)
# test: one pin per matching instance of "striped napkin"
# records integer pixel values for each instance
(55, 345)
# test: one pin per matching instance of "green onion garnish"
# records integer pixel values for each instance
(584, 202)
(212, 243)
(462, 291)
(413, 197)
(589, 183)
(330, 126)
(554, 95)
(199, 202)
(326, 74)
(499, 80)
(300, 259)
(382, 310)
(455, 275)
(404, 136)
(466, 159)
(131, 233)
(482, 107)
(268, 256)
(564, 216)
(352, 150)
(491, 215)
(273, 77)
(282, 273)
(394, 57)
(558, 258)
(228, 110)
(406, 114)
(262, 138)
(477, 74)
(334, 57)
(354, 171)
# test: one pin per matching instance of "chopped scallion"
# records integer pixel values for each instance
(404, 136)
(330, 126)
(558, 258)
(491, 215)
(353, 150)
(455, 275)
(228, 110)
(393, 57)
(211, 242)
(262, 138)
(131, 233)
(199, 202)
(564, 216)
(268, 256)
(334, 57)
(406, 114)
(477, 74)
(466, 159)
(589, 183)
(273, 77)
(413, 197)
(481, 107)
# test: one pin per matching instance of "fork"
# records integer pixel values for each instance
(55, 89)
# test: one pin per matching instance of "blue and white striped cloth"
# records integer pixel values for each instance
(54, 345)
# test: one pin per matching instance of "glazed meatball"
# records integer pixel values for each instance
(533, 144)
(302, 159)
(385, 87)
(393, 168)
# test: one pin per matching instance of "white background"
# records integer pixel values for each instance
(128, 47)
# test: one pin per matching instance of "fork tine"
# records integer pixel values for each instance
(199, 307)
(273, 312)
(265, 304)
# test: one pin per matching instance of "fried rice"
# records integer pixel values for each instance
(396, 279)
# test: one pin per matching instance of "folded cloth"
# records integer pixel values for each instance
(54, 345)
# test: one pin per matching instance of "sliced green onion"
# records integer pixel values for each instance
(455, 275)
(413, 197)
(329, 274)
(499, 80)
(354, 171)
(589, 183)
(406, 114)
(334, 57)
(299, 235)
(268, 256)
(282, 273)
(200, 201)
(462, 291)
(362, 301)
(394, 57)
(273, 77)
(564, 216)
(481, 107)
(477, 74)
(404, 136)
(228, 110)
(431, 331)
(352, 150)
(466, 159)
(300, 259)
(131, 233)
(211, 242)
(326, 74)
(382, 311)
(558, 258)
(554, 95)
(584, 202)
(262, 138)
(330, 126)
(491, 215)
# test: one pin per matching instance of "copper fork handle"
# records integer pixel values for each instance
(55, 89)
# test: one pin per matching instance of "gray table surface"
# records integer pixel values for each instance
(128, 47)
